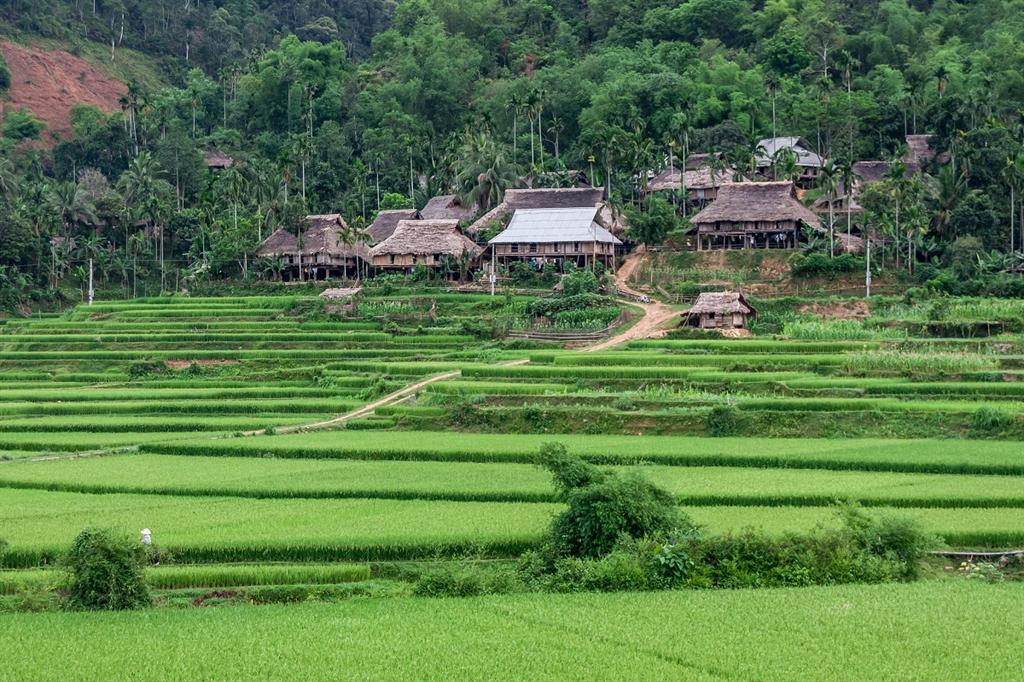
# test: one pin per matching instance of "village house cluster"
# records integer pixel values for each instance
(734, 210)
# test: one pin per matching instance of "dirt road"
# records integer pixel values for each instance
(656, 314)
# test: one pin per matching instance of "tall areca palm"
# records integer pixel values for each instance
(515, 104)
(828, 181)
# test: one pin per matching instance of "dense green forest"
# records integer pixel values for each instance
(353, 106)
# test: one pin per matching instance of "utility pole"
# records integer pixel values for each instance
(492, 277)
(91, 292)
(867, 265)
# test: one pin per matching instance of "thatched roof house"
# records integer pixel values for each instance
(720, 310)
(423, 242)
(280, 243)
(447, 207)
(864, 173)
(217, 160)
(326, 249)
(701, 183)
(754, 214)
(383, 226)
(326, 241)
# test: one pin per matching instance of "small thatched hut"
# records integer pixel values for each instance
(425, 242)
(281, 243)
(383, 226)
(447, 207)
(753, 215)
(720, 310)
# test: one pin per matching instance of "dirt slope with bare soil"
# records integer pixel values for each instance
(49, 83)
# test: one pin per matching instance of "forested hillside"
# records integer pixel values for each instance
(351, 106)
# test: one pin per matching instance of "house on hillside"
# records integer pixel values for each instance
(565, 197)
(807, 161)
(424, 242)
(447, 207)
(555, 235)
(217, 160)
(762, 215)
(864, 173)
(325, 249)
(383, 226)
(721, 310)
(701, 183)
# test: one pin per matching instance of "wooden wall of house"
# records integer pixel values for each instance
(553, 249)
(747, 227)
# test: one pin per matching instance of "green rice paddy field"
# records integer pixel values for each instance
(920, 631)
(186, 416)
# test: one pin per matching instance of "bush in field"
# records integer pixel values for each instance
(899, 540)
(725, 420)
(988, 421)
(604, 507)
(106, 572)
(819, 264)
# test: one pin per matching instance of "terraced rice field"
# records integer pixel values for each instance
(162, 413)
(847, 632)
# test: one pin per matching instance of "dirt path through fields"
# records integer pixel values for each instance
(656, 313)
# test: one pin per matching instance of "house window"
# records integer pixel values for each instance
(514, 248)
(533, 248)
(554, 247)
(392, 257)
(576, 246)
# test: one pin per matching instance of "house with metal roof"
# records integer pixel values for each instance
(545, 235)
(770, 150)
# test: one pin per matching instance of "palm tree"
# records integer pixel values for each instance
(484, 171)
(846, 178)
(784, 163)
(533, 104)
(555, 128)
(950, 189)
(70, 206)
(515, 103)
(828, 181)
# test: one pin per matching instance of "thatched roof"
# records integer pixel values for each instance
(280, 243)
(919, 150)
(721, 303)
(562, 197)
(743, 202)
(325, 235)
(849, 243)
(425, 237)
(447, 207)
(215, 158)
(772, 145)
(699, 178)
(385, 223)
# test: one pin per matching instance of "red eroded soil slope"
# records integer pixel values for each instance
(49, 83)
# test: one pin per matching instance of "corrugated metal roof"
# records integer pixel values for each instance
(547, 225)
(771, 145)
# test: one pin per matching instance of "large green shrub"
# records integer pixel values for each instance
(603, 507)
(106, 572)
